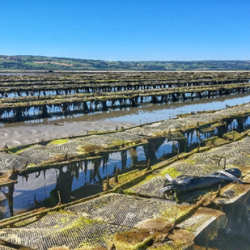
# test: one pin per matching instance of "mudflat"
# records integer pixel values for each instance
(19, 134)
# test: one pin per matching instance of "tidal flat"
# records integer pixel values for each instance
(73, 153)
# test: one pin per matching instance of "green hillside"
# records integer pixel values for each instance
(60, 63)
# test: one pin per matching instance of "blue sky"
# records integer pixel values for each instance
(127, 30)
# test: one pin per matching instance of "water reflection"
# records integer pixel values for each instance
(125, 111)
(83, 178)
(157, 112)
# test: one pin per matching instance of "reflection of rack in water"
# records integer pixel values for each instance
(79, 175)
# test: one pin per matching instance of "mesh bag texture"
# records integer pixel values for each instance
(62, 229)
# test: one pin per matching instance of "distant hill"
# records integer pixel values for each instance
(60, 63)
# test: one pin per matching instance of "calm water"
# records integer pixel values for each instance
(84, 178)
(150, 112)
(159, 112)
(141, 114)
(80, 179)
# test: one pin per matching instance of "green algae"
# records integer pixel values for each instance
(215, 141)
(171, 171)
(58, 141)
(164, 247)
(20, 149)
(232, 136)
(128, 176)
(90, 148)
(132, 240)
(118, 142)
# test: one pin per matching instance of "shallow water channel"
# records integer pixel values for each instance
(147, 112)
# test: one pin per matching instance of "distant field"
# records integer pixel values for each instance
(58, 63)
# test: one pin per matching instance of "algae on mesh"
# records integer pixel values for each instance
(132, 240)
(233, 135)
(172, 171)
(58, 141)
(20, 149)
(122, 178)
